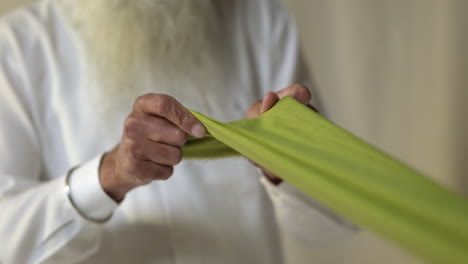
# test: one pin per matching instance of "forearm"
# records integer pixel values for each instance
(39, 222)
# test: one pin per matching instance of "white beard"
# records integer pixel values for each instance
(134, 47)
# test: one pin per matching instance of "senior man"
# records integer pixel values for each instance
(93, 122)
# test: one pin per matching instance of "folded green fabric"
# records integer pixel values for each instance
(346, 174)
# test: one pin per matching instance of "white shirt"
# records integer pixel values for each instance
(208, 212)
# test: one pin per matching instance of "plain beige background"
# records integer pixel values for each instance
(393, 72)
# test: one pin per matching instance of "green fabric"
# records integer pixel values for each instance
(346, 174)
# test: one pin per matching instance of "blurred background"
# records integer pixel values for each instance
(394, 73)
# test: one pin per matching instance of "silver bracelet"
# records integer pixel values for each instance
(68, 193)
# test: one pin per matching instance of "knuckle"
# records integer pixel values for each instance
(137, 102)
(183, 117)
(299, 86)
(303, 92)
(163, 102)
(162, 96)
(179, 137)
(130, 147)
(130, 125)
(307, 93)
(146, 96)
(140, 100)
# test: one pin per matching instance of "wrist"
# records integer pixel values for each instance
(107, 177)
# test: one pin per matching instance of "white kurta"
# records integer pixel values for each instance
(208, 212)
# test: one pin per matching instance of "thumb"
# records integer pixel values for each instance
(268, 102)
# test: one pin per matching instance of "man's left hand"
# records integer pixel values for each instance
(299, 92)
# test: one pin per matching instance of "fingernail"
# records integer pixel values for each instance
(198, 131)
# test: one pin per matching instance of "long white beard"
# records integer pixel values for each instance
(135, 47)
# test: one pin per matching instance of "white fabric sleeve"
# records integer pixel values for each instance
(37, 221)
(87, 193)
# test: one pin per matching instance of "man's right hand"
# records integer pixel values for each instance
(153, 137)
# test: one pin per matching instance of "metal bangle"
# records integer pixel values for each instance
(68, 193)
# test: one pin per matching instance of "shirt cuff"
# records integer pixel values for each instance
(87, 193)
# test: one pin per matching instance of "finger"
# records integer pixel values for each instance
(140, 172)
(159, 153)
(169, 108)
(269, 101)
(254, 110)
(167, 133)
(298, 91)
(148, 171)
(156, 129)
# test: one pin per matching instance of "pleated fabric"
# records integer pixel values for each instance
(343, 172)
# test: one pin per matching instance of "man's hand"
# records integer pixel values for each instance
(299, 92)
(153, 137)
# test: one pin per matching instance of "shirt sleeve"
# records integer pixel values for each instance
(87, 193)
(37, 220)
